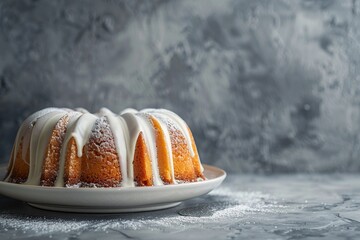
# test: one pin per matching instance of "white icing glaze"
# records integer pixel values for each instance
(132, 134)
(38, 144)
(129, 110)
(150, 139)
(165, 130)
(82, 110)
(70, 128)
(82, 131)
(121, 136)
(36, 132)
(24, 135)
(180, 124)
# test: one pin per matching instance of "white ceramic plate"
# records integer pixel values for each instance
(112, 200)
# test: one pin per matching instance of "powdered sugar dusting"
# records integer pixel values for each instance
(246, 207)
(224, 206)
(40, 225)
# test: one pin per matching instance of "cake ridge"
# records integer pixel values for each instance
(23, 136)
(149, 135)
(70, 127)
(120, 135)
(181, 125)
(38, 143)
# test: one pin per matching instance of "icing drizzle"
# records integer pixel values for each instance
(36, 131)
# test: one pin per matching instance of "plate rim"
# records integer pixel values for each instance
(119, 199)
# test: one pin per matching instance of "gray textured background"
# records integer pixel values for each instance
(266, 86)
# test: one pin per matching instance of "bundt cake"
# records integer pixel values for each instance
(74, 148)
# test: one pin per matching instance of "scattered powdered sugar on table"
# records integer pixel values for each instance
(40, 225)
(295, 207)
(222, 205)
(238, 205)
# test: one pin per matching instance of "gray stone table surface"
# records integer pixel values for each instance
(243, 207)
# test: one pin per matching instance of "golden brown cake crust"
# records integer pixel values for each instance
(52, 158)
(100, 163)
(20, 170)
(162, 153)
(142, 164)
